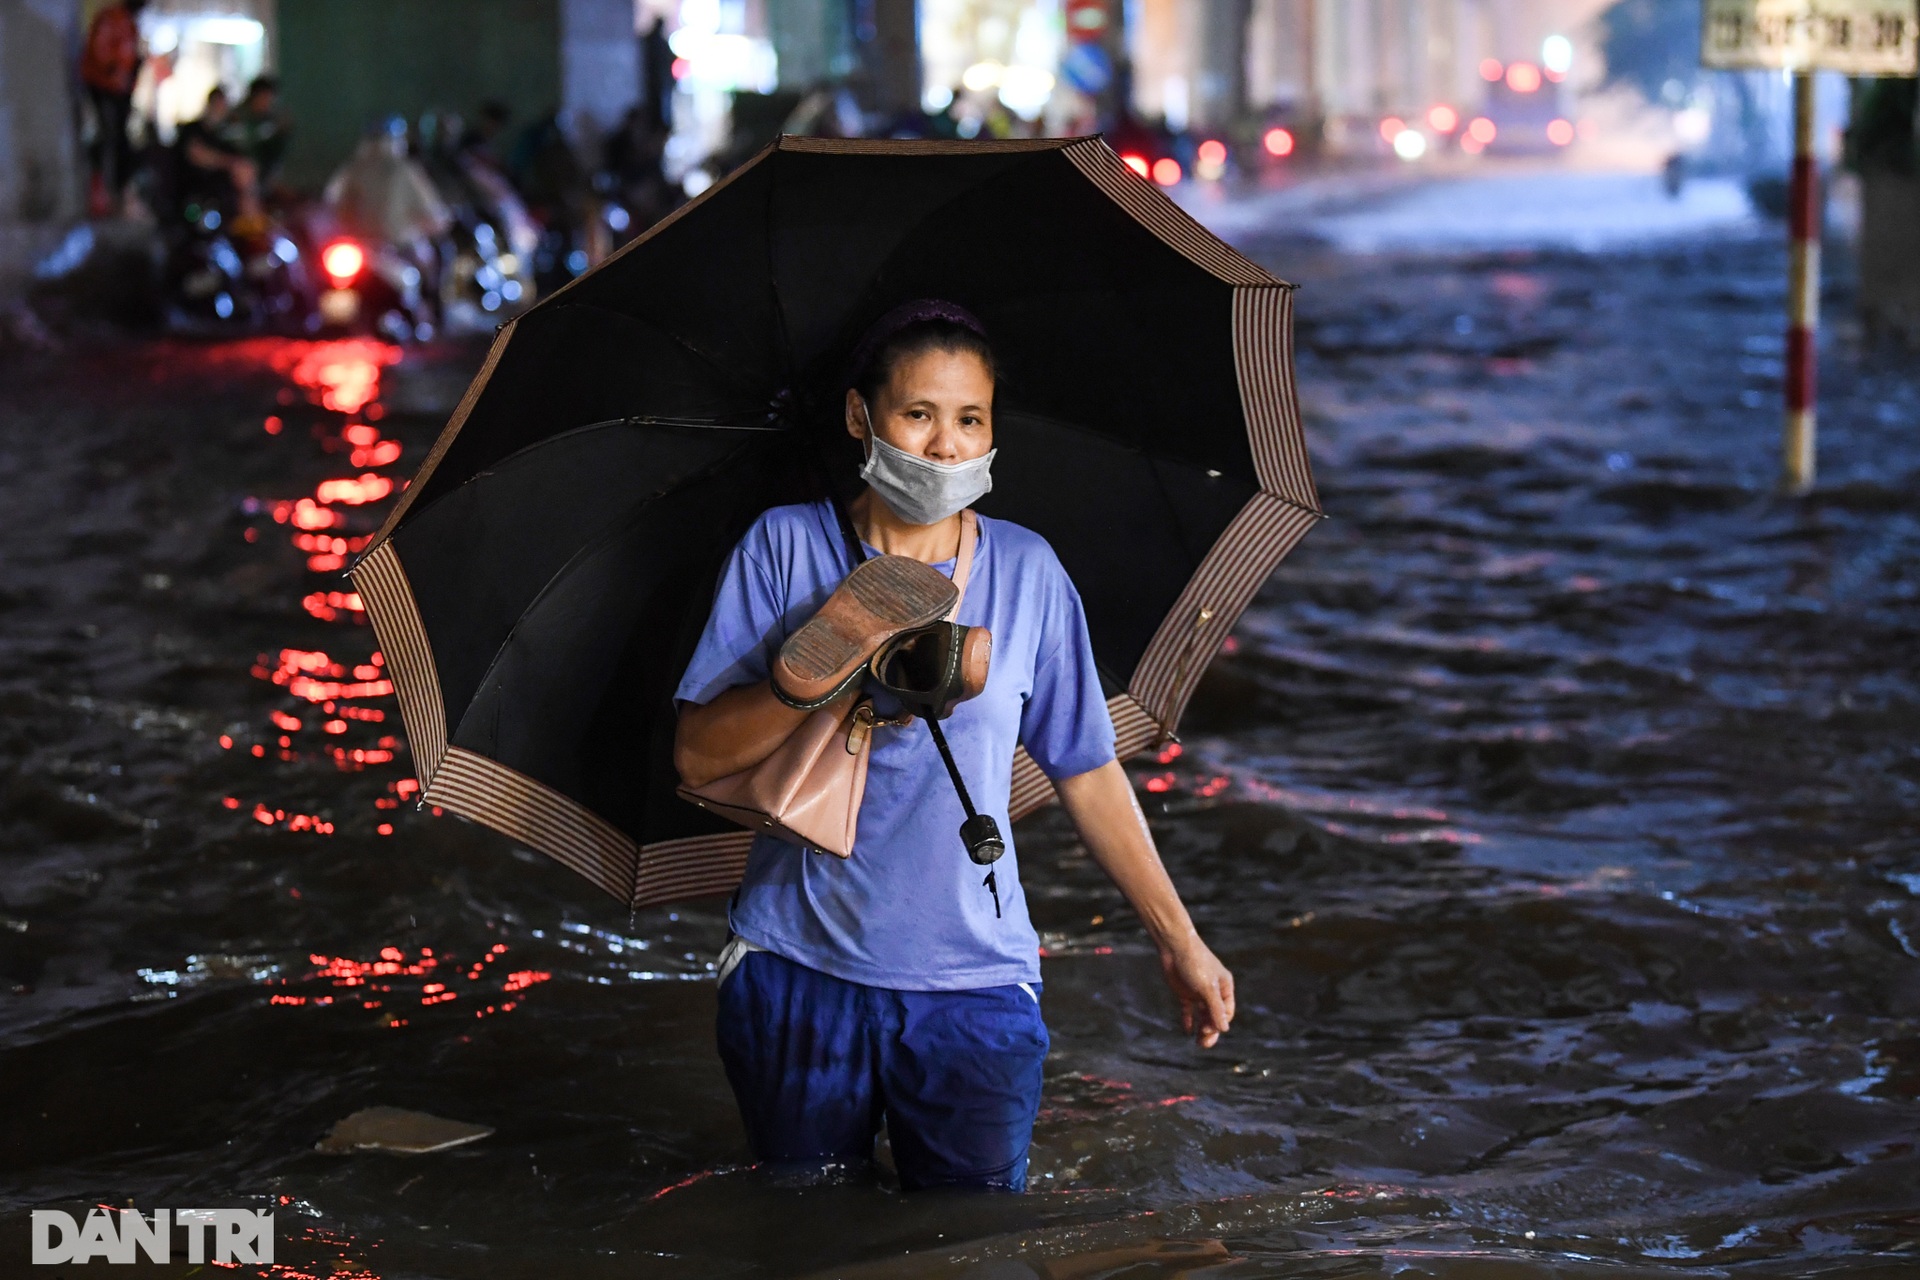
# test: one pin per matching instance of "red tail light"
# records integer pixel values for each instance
(342, 261)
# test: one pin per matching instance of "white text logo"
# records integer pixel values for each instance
(236, 1235)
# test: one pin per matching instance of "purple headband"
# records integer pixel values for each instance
(907, 313)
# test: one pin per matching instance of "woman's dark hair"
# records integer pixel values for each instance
(911, 330)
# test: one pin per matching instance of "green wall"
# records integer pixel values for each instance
(346, 64)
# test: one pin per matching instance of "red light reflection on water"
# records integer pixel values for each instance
(355, 491)
(331, 524)
(306, 514)
(343, 376)
(397, 974)
(300, 672)
(330, 605)
(694, 1178)
(1084, 1097)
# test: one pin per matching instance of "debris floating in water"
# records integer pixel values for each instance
(402, 1132)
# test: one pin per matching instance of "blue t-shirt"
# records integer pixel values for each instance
(907, 910)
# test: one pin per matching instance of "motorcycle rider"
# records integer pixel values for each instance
(632, 158)
(257, 130)
(485, 136)
(385, 197)
(212, 169)
(383, 194)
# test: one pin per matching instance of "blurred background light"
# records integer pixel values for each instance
(1211, 162)
(724, 61)
(228, 30)
(1024, 90)
(1692, 126)
(981, 76)
(1556, 54)
(1523, 77)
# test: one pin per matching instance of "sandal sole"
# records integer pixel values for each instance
(882, 597)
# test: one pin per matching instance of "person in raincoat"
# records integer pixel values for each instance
(384, 194)
(889, 986)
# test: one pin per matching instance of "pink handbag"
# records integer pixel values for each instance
(809, 790)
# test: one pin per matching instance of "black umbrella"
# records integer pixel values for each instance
(540, 587)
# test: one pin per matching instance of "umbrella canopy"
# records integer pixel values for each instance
(540, 588)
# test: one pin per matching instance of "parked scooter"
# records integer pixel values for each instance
(254, 279)
(221, 272)
(488, 252)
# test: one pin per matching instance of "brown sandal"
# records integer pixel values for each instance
(934, 668)
(881, 598)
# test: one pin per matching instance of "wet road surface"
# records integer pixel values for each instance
(1554, 806)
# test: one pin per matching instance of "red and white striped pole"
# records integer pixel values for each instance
(1803, 294)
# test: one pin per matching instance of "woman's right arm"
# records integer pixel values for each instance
(735, 731)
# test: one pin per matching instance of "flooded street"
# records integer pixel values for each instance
(1554, 806)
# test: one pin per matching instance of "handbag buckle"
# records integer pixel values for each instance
(865, 721)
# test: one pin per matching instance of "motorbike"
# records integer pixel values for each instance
(219, 275)
(373, 288)
(380, 230)
(488, 253)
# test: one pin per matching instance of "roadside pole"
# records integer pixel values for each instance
(1802, 37)
(1803, 296)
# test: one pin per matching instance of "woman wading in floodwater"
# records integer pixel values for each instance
(891, 984)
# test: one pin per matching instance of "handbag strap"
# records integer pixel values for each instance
(962, 570)
(963, 562)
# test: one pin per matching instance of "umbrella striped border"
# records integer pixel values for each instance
(387, 597)
(1156, 211)
(1241, 559)
(474, 786)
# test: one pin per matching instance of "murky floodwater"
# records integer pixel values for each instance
(1555, 807)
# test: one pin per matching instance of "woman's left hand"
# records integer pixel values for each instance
(1204, 988)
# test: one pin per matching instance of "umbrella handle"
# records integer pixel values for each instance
(980, 833)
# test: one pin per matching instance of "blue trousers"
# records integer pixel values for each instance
(817, 1062)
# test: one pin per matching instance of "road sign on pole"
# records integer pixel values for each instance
(1087, 20)
(1855, 37)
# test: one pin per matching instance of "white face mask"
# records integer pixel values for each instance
(919, 490)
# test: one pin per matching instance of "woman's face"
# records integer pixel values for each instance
(938, 405)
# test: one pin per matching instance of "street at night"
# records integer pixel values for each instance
(1553, 804)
